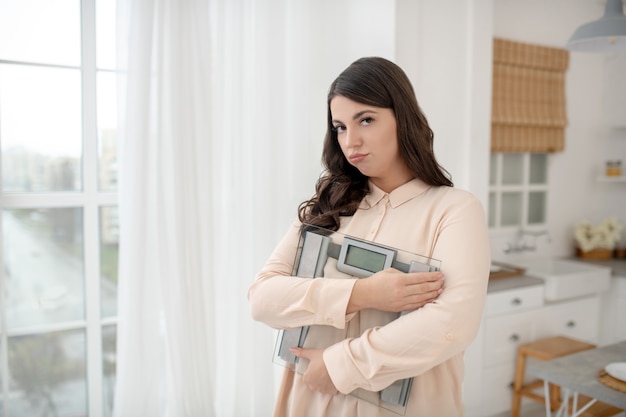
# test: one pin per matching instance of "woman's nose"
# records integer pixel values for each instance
(353, 139)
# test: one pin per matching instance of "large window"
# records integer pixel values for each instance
(59, 227)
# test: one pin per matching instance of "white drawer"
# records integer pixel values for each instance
(512, 301)
(497, 389)
(620, 329)
(620, 286)
(503, 335)
(576, 318)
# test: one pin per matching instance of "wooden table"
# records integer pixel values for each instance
(577, 374)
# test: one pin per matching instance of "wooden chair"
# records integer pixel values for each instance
(546, 349)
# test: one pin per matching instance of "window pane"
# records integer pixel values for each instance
(512, 169)
(105, 34)
(107, 131)
(47, 375)
(538, 168)
(536, 207)
(43, 253)
(109, 366)
(48, 31)
(511, 209)
(109, 238)
(493, 169)
(492, 209)
(40, 127)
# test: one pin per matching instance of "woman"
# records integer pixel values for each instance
(382, 184)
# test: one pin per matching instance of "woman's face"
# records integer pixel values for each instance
(368, 139)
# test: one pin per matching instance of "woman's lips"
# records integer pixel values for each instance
(357, 157)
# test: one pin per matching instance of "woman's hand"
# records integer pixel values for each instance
(316, 376)
(395, 291)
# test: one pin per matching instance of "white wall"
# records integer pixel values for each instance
(446, 52)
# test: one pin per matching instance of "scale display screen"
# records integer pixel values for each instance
(365, 259)
(362, 259)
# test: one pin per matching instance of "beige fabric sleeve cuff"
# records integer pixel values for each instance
(333, 296)
(341, 369)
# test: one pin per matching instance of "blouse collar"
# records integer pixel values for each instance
(397, 197)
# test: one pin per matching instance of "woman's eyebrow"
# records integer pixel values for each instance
(356, 116)
(361, 113)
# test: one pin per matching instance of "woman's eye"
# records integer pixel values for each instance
(339, 128)
(366, 120)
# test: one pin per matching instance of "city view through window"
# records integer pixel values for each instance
(59, 218)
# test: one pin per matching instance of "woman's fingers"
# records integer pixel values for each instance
(397, 291)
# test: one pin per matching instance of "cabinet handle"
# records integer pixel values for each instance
(571, 324)
(514, 337)
(516, 301)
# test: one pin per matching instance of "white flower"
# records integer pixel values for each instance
(603, 236)
(584, 237)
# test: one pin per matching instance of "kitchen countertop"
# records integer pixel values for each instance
(617, 266)
(504, 284)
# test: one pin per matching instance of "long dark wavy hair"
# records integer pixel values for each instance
(376, 82)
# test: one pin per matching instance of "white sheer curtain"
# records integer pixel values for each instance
(166, 352)
(207, 134)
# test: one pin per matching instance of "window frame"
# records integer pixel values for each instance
(525, 188)
(91, 200)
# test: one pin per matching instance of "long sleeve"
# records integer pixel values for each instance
(284, 301)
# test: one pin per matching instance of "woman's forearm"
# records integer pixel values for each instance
(395, 291)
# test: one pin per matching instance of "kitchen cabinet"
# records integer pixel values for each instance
(503, 335)
(620, 310)
(577, 318)
(513, 317)
(510, 319)
(614, 311)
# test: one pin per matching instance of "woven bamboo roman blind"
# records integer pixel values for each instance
(528, 103)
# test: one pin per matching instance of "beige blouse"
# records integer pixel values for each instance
(444, 223)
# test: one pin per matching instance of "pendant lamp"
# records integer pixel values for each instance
(607, 34)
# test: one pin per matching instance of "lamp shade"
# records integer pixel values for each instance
(607, 34)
